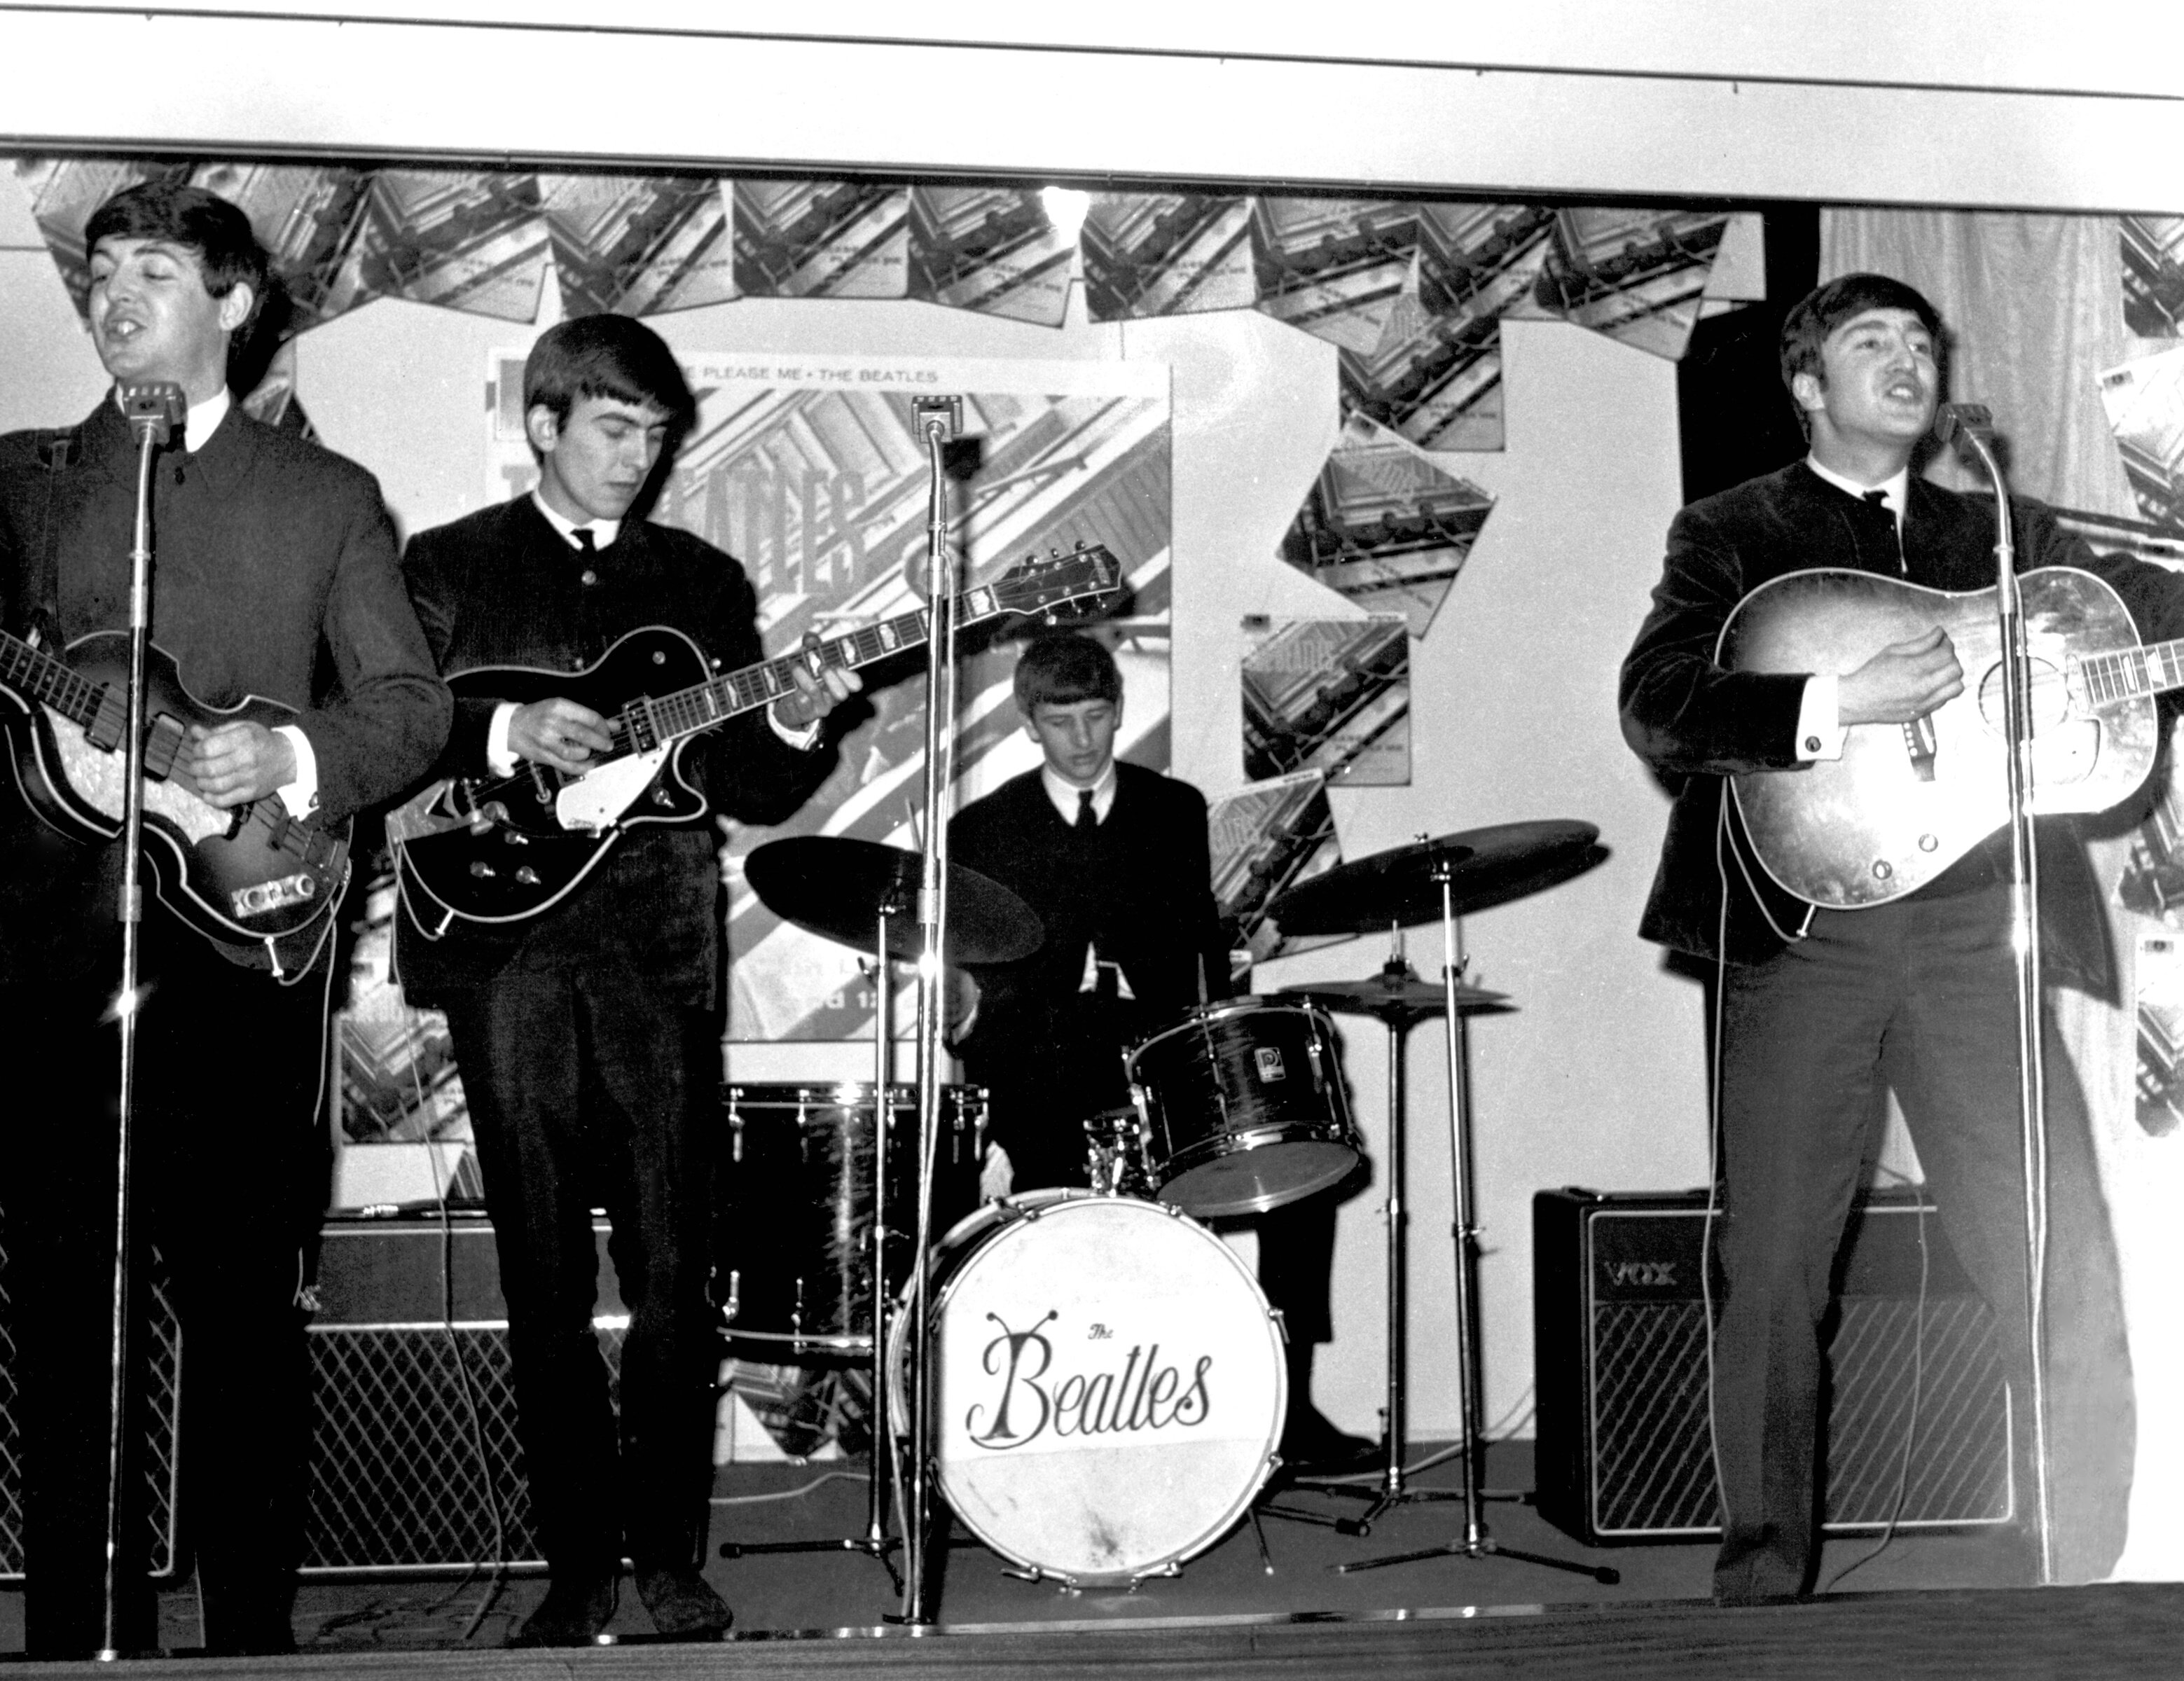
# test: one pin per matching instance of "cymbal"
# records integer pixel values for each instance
(1400, 888)
(836, 888)
(1398, 996)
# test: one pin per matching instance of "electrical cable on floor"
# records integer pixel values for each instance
(792, 1493)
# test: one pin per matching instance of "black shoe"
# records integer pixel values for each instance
(1312, 1446)
(573, 1613)
(683, 1603)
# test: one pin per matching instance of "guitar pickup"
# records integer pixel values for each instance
(266, 896)
(1918, 742)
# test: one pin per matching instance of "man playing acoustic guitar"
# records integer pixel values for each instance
(275, 576)
(1820, 1010)
(589, 1034)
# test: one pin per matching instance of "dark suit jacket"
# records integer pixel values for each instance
(275, 574)
(501, 587)
(1696, 723)
(1147, 902)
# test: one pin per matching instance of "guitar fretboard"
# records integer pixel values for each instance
(702, 705)
(2125, 674)
(36, 675)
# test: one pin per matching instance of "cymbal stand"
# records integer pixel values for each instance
(1398, 1015)
(1475, 1543)
(875, 1541)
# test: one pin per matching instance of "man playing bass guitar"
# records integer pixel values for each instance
(588, 1034)
(275, 577)
(1821, 1008)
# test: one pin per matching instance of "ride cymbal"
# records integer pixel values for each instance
(837, 887)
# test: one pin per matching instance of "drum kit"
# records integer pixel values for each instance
(1105, 1383)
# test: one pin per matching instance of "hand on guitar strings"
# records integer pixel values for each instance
(559, 732)
(1906, 680)
(237, 763)
(815, 696)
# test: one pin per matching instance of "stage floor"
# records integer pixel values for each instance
(1230, 1612)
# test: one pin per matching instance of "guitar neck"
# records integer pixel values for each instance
(2128, 673)
(37, 675)
(687, 711)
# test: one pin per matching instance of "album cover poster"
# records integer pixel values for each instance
(1433, 377)
(991, 249)
(396, 1075)
(821, 239)
(1330, 695)
(1385, 527)
(1267, 839)
(811, 472)
(2152, 274)
(638, 245)
(1637, 275)
(2144, 401)
(1167, 254)
(1335, 268)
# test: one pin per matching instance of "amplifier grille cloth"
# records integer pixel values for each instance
(1655, 1453)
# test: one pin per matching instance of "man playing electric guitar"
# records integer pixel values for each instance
(275, 563)
(588, 1035)
(1819, 1009)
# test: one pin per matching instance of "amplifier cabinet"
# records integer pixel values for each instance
(162, 1378)
(414, 1464)
(1624, 1450)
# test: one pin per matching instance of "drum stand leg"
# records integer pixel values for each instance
(1474, 1542)
(875, 1541)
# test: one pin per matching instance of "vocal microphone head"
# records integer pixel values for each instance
(154, 407)
(1953, 418)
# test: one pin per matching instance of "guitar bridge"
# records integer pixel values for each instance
(267, 897)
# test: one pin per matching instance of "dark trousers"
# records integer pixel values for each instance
(229, 1178)
(587, 1089)
(1918, 996)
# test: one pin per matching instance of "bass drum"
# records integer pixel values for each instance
(1107, 1384)
(794, 1239)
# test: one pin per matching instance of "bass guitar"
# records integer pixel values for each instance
(246, 875)
(502, 849)
(1905, 801)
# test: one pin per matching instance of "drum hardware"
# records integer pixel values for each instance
(859, 894)
(1436, 880)
(1243, 1107)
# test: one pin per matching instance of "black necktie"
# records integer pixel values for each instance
(1087, 819)
(1879, 498)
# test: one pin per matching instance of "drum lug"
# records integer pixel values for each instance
(1068, 1583)
(1167, 1571)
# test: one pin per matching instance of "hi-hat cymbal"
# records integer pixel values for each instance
(1400, 888)
(1399, 996)
(836, 888)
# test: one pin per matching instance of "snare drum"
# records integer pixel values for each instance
(1107, 1384)
(794, 1244)
(1243, 1107)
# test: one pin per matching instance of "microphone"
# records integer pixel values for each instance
(154, 409)
(1965, 426)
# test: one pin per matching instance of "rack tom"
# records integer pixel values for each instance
(1243, 1107)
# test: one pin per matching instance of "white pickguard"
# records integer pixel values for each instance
(97, 779)
(596, 800)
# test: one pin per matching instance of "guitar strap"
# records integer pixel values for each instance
(58, 452)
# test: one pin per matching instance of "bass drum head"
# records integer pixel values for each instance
(1108, 1385)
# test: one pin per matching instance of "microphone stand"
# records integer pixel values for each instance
(1970, 429)
(938, 420)
(154, 410)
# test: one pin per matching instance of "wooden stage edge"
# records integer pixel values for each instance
(2109, 1630)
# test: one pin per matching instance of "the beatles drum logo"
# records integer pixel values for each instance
(1147, 1391)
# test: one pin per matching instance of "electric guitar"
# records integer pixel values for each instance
(248, 876)
(502, 849)
(1905, 801)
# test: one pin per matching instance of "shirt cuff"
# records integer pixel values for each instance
(300, 794)
(500, 759)
(803, 740)
(1819, 729)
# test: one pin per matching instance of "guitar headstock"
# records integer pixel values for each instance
(1059, 581)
